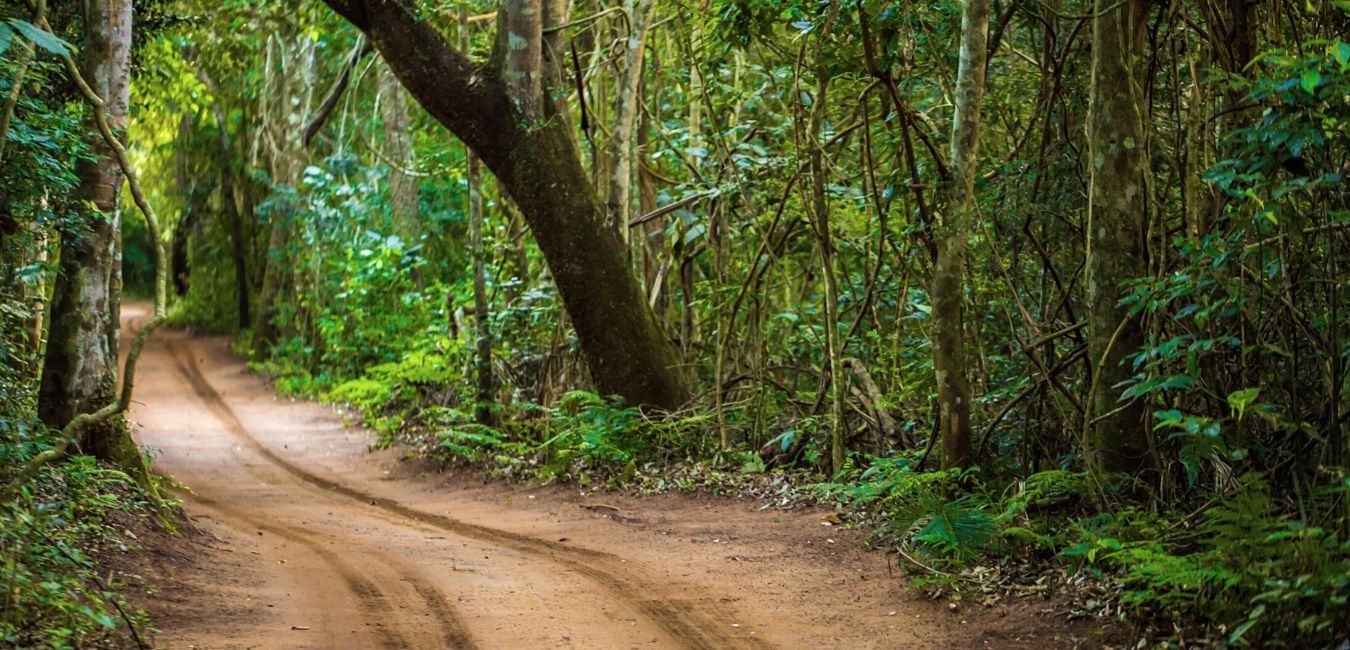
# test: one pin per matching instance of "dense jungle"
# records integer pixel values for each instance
(674, 323)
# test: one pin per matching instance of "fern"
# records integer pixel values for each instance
(955, 529)
(1171, 583)
(1044, 489)
(471, 441)
(920, 515)
(365, 394)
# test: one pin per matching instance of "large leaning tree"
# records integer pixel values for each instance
(507, 112)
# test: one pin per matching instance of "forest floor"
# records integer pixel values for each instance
(305, 539)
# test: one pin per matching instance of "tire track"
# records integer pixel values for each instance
(680, 620)
(454, 631)
(370, 597)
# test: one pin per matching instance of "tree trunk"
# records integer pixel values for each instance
(1117, 221)
(285, 162)
(520, 52)
(399, 149)
(238, 244)
(265, 330)
(39, 296)
(820, 213)
(538, 164)
(178, 251)
(80, 368)
(1233, 37)
(949, 272)
(627, 101)
(483, 346)
(1232, 45)
(694, 96)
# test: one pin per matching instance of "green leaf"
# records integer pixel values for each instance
(6, 34)
(1252, 618)
(1241, 399)
(1311, 79)
(42, 38)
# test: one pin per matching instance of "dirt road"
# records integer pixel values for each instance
(319, 544)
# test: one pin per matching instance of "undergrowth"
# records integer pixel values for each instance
(54, 593)
(1237, 571)
(1231, 571)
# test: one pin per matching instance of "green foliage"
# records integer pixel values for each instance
(593, 432)
(475, 442)
(38, 36)
(365, 394)
(1248, 570)
(389, 394)
(51, 590)
(1242, 371)
(1245, 572)
(54, 597)
(918, 508)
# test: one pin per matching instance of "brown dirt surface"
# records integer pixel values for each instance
(304, 539)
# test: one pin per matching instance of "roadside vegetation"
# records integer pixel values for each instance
(1050, 294)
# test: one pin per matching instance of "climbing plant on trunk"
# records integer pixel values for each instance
(80, 369)
(99, 425)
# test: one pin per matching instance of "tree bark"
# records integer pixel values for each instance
(80, 368)
(265, 330)
(285, 160)
(820, 213)
(399, 148)
(1232, 45)
(1117, 222)
(626, 104)
(178, 251)
(520, 53)
(538, 164)
(235, 222)
(949, 272)
(484, 385)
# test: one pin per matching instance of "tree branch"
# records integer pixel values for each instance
(363, 47)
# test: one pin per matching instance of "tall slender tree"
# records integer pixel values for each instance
(483, 345)
(952, 235)
(80, 368)
(228, 202)
(1116, 227)
(288, 92)
(824, 234)
(627, 102)
(398, 148)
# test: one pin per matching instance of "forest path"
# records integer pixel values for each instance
(320, 544)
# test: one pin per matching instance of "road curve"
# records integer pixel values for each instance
(352, 568)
